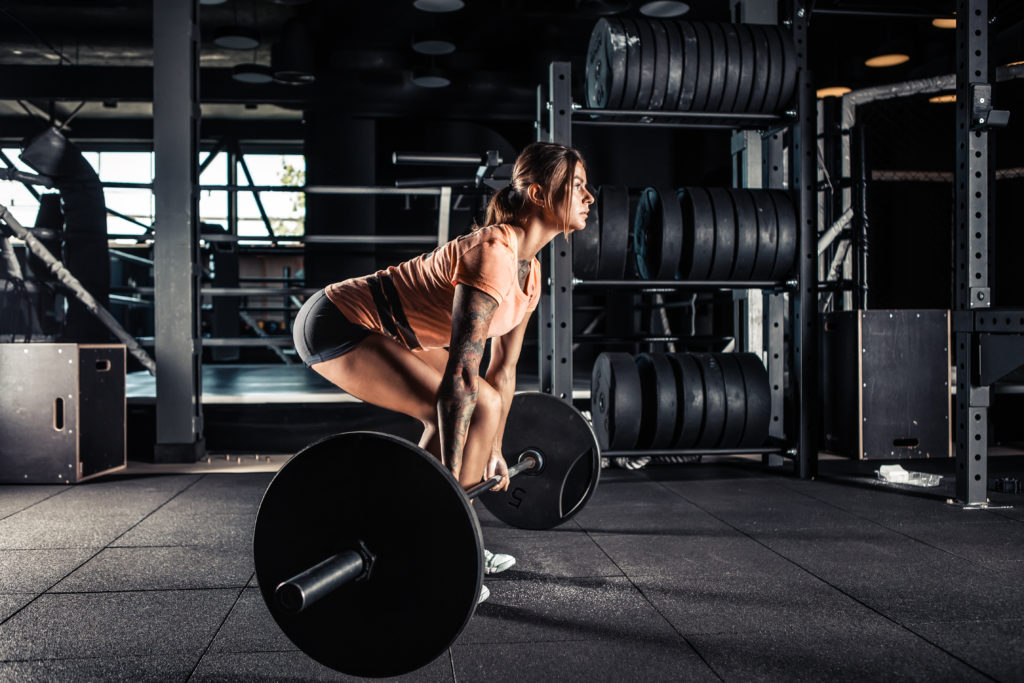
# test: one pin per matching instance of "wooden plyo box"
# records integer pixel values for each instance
(62, 412)
(886, 384)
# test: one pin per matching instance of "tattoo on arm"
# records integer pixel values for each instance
(472, 311)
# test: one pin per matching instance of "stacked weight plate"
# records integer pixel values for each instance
(654, 65)
(716, 233)
(679, 401)
(601, 249)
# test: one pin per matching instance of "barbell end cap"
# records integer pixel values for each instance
(290, 597)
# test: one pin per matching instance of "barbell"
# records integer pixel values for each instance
(368, 553)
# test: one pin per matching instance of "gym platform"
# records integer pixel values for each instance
(721, 571)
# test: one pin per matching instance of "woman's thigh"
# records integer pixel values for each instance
(382, 372)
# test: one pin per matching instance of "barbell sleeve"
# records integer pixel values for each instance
(528, 462)
(305, 588)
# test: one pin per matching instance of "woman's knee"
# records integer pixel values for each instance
(488, 401)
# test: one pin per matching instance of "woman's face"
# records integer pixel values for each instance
(579, 199)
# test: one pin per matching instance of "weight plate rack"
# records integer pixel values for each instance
(702, 75)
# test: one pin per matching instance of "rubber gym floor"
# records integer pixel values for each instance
(717, 571)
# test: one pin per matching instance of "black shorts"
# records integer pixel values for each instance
(321, 332)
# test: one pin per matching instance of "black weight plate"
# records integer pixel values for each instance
(776, 68)
(785, 214)
(691, 66)
(747, 59)
(671, 234)
(733, 64)
(767, 235)
(698, 250)
(634, 64)
(647, 233)
(718, 65)
(689, 400)
(714, 400)
(746, 234)
(725, 233)
(658, 386)
(704, 69)
(606, 65)
(586, 245)
(647, 63)
(662, 58)
(674, 75)
(735, 401)
(615, 397)
(327, 498)
(758, 398)
(571, 463)
(790, 68)
(657, 234)
(759, 88)
(614, 210)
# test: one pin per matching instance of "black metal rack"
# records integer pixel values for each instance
(556, 115)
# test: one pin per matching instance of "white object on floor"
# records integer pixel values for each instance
(895, 474)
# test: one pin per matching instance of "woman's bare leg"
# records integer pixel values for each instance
(382, 372)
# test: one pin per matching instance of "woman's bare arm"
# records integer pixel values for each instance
(472, 311)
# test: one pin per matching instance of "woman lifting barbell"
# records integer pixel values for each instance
(382, 337)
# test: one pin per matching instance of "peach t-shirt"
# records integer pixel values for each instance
(486, 259)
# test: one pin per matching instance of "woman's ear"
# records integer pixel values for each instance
(536, 194)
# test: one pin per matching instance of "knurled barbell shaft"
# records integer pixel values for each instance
(306, 587)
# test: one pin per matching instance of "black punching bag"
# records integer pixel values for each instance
(85, 251)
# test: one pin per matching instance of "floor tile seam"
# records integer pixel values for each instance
(896, 530)
(70, 547)
(489, 578)
(183, 589)
(38, 502)
(655, 608)
(53, 585)
(216, 633)
(156, 509)
(872, 522)
(849, 596)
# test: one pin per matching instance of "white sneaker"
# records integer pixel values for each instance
(485, 593)
(494, 563)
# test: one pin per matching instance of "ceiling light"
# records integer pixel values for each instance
(944, 23)
(252, 73)
(212, 2)
(891, 59)
(292, 59)
(664, 9)
(430, 77)
(236, 39)
(943, 98)
(433, 47)
(601, 8)
(438, 5)
(832, 91)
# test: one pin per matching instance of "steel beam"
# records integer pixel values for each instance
(179, 418)
(973, 215)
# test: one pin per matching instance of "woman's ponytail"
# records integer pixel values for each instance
(503, 207)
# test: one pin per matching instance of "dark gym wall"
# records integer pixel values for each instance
(338, 152)
(910, 252)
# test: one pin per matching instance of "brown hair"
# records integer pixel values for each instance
(547, 164)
